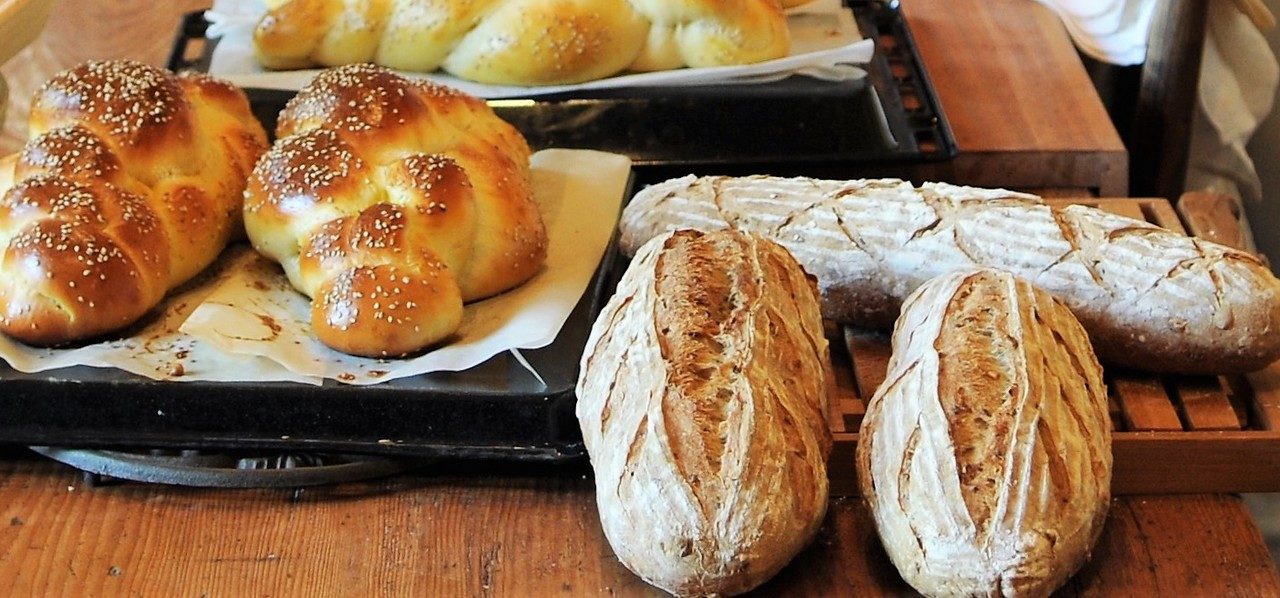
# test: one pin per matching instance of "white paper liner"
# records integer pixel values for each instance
(255, 312)
(159, 350)
(825, 43)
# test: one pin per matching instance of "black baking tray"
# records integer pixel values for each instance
(494, 411)
(497, 410)
(795, 126)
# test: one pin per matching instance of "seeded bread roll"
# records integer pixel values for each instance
(702, 401)
(1150, 298)
(985, 456)
(390, 202)
(131, 184)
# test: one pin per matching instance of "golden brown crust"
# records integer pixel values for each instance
(969, 387)
(985, 456)
(522, 42)
(131, 184)
(82, 252)
(702, 401)
(139, 107)
(371, 169)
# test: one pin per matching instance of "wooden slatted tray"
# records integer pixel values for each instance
(1172, 434)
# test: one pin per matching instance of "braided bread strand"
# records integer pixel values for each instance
(522, 42)
(130, 184)
(390, 202)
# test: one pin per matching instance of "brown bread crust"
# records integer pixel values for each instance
(1150, 298)
(131, 184)
(390, 202)
(702, 401)
(985, 457)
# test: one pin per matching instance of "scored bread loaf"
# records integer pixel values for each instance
(130, 184)
(985, 456)
(1150, 298)
(702, 400)
(390, 202)
(522, 42)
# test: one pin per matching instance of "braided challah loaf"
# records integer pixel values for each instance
(131, 183)
(522, 42)
(390, 202)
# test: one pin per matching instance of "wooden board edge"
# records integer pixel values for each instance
(1194, 462)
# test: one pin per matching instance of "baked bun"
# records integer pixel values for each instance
(522, 42)
(131, 184)
(390, 202)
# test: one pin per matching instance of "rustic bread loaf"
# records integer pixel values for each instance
(702, 400)
(131, 183)
(522, 42)
(1150, 298)
(985, 456)
(390, 202)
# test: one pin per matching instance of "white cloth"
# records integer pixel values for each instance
(1238, 81)
(1113, 31)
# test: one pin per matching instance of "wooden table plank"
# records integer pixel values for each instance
(1169, 557)
(418, 535)
(1266, 389)
(870, 352)
(1204, 403)
(992, 62)
(1144, 403)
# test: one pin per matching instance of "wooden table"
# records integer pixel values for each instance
(1024, 116)
(1024, 112)
(453, 535)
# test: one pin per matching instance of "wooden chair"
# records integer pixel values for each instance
(1152, 106)
(1160, 133)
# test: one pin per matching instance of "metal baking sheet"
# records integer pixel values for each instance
(798, 125)
(496, 410)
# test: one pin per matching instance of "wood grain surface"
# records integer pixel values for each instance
(419, 535)
(1022, 107)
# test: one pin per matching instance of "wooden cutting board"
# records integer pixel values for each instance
(1171, 433)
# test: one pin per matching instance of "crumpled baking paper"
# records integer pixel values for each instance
(158, 350)
(825, 43)
(255, 313)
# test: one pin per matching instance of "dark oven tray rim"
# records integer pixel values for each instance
(904, 95)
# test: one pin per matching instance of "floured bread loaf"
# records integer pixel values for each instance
(1150, 298)
(985, 457)
(702, 401)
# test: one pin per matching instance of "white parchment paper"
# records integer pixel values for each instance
(254, 312)
(158, 349)
(825, 43)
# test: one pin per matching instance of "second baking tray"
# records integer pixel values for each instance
(798, 125)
